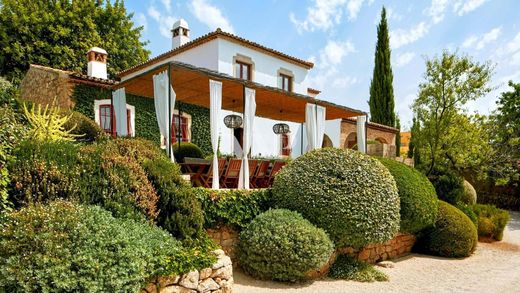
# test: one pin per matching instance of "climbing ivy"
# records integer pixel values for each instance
(145, 120)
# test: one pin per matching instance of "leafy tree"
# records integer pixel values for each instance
(381, 89)
(450, 82)
(411, 145)
(58, 33)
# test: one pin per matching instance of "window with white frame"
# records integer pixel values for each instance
(185, 128)
(105, 117)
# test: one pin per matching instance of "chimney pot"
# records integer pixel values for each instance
(97, 63)
(180, 33)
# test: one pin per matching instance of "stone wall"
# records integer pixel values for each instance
(46, 86)
(381, 150)
(398, 246)
(349, 130)
(217, 279)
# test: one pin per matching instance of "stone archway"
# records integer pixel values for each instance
(327, 142)
(351, 140)
(381, 140)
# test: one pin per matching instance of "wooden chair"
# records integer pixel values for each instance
(230, 177)
(258, 180)
(207, 178)
(253, 165)
(277, 166)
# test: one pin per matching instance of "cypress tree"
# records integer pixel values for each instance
(381, 89)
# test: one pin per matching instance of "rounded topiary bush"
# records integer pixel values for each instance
(469, 196)
(86, 129)
(448, 185)
(281, 245)
(350, 195)
(453, 235)
(417, 196)
(186, 150)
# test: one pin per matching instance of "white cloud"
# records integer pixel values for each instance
(390, 15)
(165, 21)
(344, 82)
(437, 10)
(401, 37)
(463, 7)
(403, 59)
(167, 4)
(332, 54)
(515, 60)
(325, 14)
(140, 20)
(479, 42)
(513, 45)
(210, 15)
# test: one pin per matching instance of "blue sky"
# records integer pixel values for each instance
(339, 37)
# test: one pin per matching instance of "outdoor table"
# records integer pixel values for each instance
(195, 169)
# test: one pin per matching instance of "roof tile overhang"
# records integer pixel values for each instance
(211, 36)
(191, 85)
(78, 77)
(373, 125)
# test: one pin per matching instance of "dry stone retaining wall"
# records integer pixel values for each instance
(217, 279)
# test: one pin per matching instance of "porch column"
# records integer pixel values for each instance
(315, 126)
(164, 103)
(361, 133)
(215, 102)
(249, 116)
(119, 106)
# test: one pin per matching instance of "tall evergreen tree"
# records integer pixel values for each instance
(381, 89)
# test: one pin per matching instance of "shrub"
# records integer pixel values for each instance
(186, 150)
(47, 123)
(468, 211)
(491, 221)
(453, 234)
(469, 196)
(83, 128)
(12, 129)
(448, 185)
(234, 207)
(283, 246)
(417, 196)
(347, 268)
(350, 195)
(62, 247)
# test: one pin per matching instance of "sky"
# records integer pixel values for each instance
(339, 36)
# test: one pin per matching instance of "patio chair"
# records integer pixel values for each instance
(207, 178)
(259, 179)
(277, 166)
(230, 177)
(253, 165)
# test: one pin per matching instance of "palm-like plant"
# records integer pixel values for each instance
(47, 123)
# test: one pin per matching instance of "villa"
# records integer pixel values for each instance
(228, 94)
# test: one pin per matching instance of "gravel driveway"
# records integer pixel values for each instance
(494, 267)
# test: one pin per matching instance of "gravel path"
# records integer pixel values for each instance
(494, 267)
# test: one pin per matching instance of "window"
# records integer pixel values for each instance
(184, 128)
(243, 70)
(106, 119)
(286, 82)
(285, 144)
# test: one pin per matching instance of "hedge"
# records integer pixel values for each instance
(63, 247)
(348, 268)
(232, 207)
(469, 196)
(281, 245)
(453, 235)
(491, 221)
(417, 196)
(350, 195)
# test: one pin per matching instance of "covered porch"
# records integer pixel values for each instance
(249, 100)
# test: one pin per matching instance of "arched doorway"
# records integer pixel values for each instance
(351, 140)
(327, 142)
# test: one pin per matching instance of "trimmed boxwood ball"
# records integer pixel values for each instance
(417, 196)
(470, 194)
(453, 235)
(350, 195)
(186, 150)
(281, 245)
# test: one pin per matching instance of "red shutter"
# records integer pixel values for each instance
(286, 148)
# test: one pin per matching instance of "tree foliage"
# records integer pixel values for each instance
(58, 33)
(450, 82)
(381, 89)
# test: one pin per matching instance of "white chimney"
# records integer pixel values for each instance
(180, 33)
(97, 63)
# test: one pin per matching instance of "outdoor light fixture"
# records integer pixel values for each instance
(281, 128)
(233, 120)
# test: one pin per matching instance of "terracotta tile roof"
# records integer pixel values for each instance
(78, 76)
(211, 36)
(374, 125)
(313, 91)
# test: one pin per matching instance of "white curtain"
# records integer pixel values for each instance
(119, 104)
(215, 93)
(249, 117)
(361, 134)
(160, 95)
(315, 125)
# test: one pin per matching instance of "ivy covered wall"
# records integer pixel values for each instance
(145, 120)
